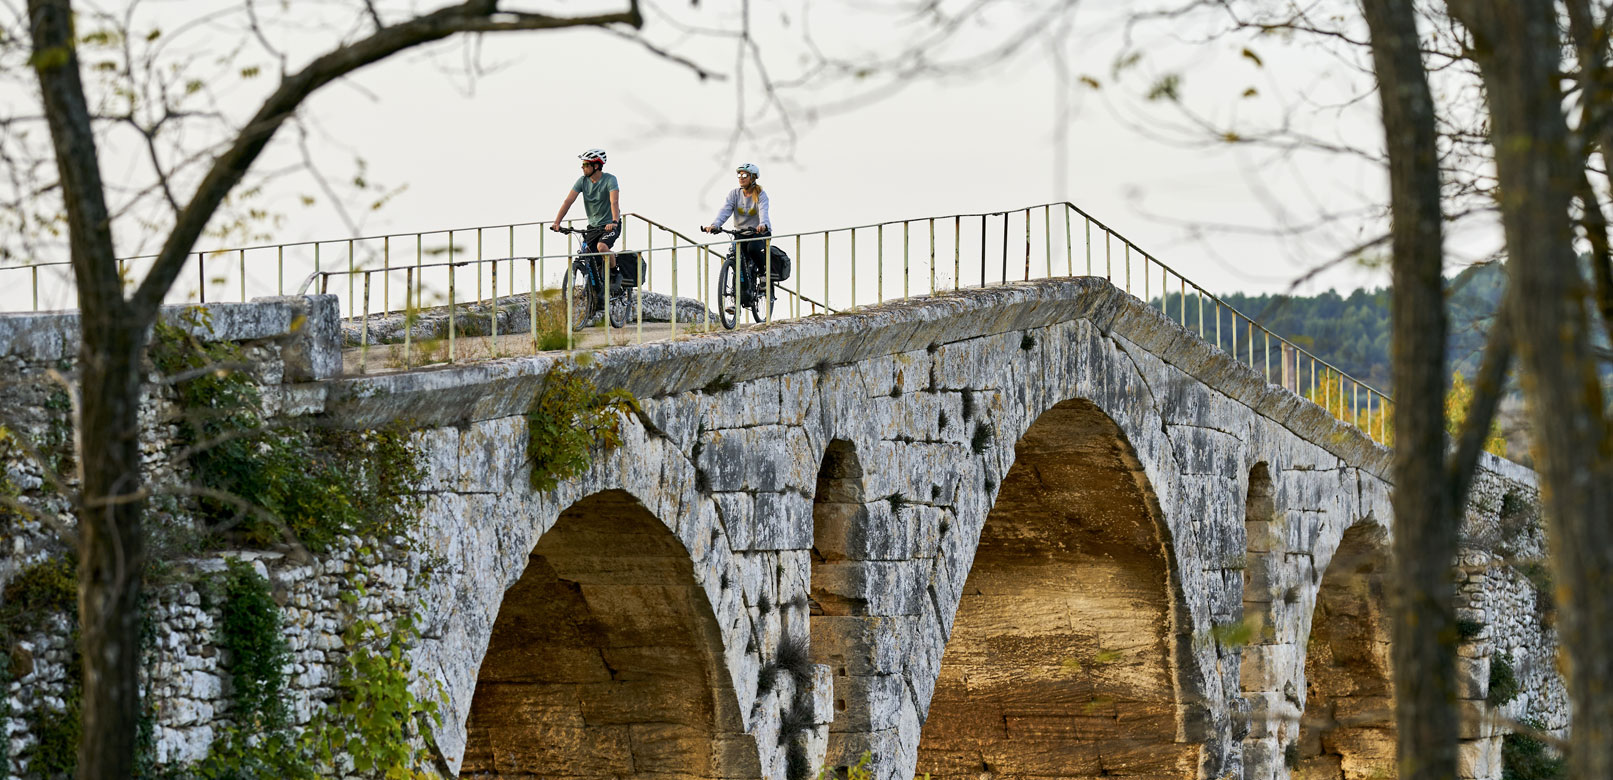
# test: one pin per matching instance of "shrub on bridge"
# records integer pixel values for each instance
(566, 421)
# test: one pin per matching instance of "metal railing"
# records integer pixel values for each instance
(414, 274)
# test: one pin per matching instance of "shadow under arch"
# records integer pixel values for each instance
(841, 638)
(606, 660)
(1347, 729)
(1062, 659)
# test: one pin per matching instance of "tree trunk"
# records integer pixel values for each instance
(111, 551)
(111, 544)
(1425, 539)
(1517, 45)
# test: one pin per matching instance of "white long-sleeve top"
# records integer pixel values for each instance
(747, 212)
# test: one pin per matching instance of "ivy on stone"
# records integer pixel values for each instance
(266, 481)
(566, 421)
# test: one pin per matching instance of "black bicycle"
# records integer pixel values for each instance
(585, 283)
(751, 287)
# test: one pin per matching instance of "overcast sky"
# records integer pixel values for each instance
(500, 146)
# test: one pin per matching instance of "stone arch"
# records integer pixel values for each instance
(1062, 661)
(606, 660)
(1346, 731)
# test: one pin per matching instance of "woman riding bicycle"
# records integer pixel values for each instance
(747, 204)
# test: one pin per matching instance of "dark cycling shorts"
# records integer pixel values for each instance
(594, 236)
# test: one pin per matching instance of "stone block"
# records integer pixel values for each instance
(857, 644)
(867, 702)
(1472, 677)
(879, 587)
(314, 351)
(1479, 759)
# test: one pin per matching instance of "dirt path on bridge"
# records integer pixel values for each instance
(390, 358)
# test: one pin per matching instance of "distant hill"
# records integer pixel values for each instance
(1352, 332)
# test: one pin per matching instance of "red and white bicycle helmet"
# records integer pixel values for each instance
(593, 156)
(749, 168)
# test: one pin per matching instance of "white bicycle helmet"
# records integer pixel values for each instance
(750, 168)
(593, 156)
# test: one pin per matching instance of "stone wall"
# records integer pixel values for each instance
(1023, 531)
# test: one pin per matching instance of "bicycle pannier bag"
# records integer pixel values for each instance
(631, 269)
(781, 264)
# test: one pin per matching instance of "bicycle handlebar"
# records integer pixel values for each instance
(741, 233)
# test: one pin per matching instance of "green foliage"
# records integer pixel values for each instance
(1236, 634)
(857, 771)
(265, 481)
(1523, 757)
(372, 720)
(249, 629)
(567, 421)
(55, 754)
(376, 713)
(47, 588)
(1504, 683)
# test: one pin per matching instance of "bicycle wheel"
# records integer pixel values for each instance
(758, 292)
(582, 304)
(727, 304)
(618, 307)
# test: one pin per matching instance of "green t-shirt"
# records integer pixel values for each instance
(596, 197)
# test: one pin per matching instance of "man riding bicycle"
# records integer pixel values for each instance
(601, 199)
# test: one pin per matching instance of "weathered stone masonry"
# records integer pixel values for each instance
(1017, 531)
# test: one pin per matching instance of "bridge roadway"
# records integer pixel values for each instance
(1036, 530)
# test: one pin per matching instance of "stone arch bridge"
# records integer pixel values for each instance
(1036, 530)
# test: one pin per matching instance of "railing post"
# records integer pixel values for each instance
(1183, 281)
(1128, 268)
(280, 270)
(767, 276)
(408, 318)
(1027, 245)
(853, 268)
(350, 279)
(957, 253)
(1047, 237)
(879, 263)
(932, 255)
(386, 273)
(241, 258)
(566, 283)
(982, 250)
(1201, 310)
(364, 330)
(493, 272)
(1069, 251)
(451, 352)
(674, 296)
(531, 299)
(905, 260)
(1005, 248)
